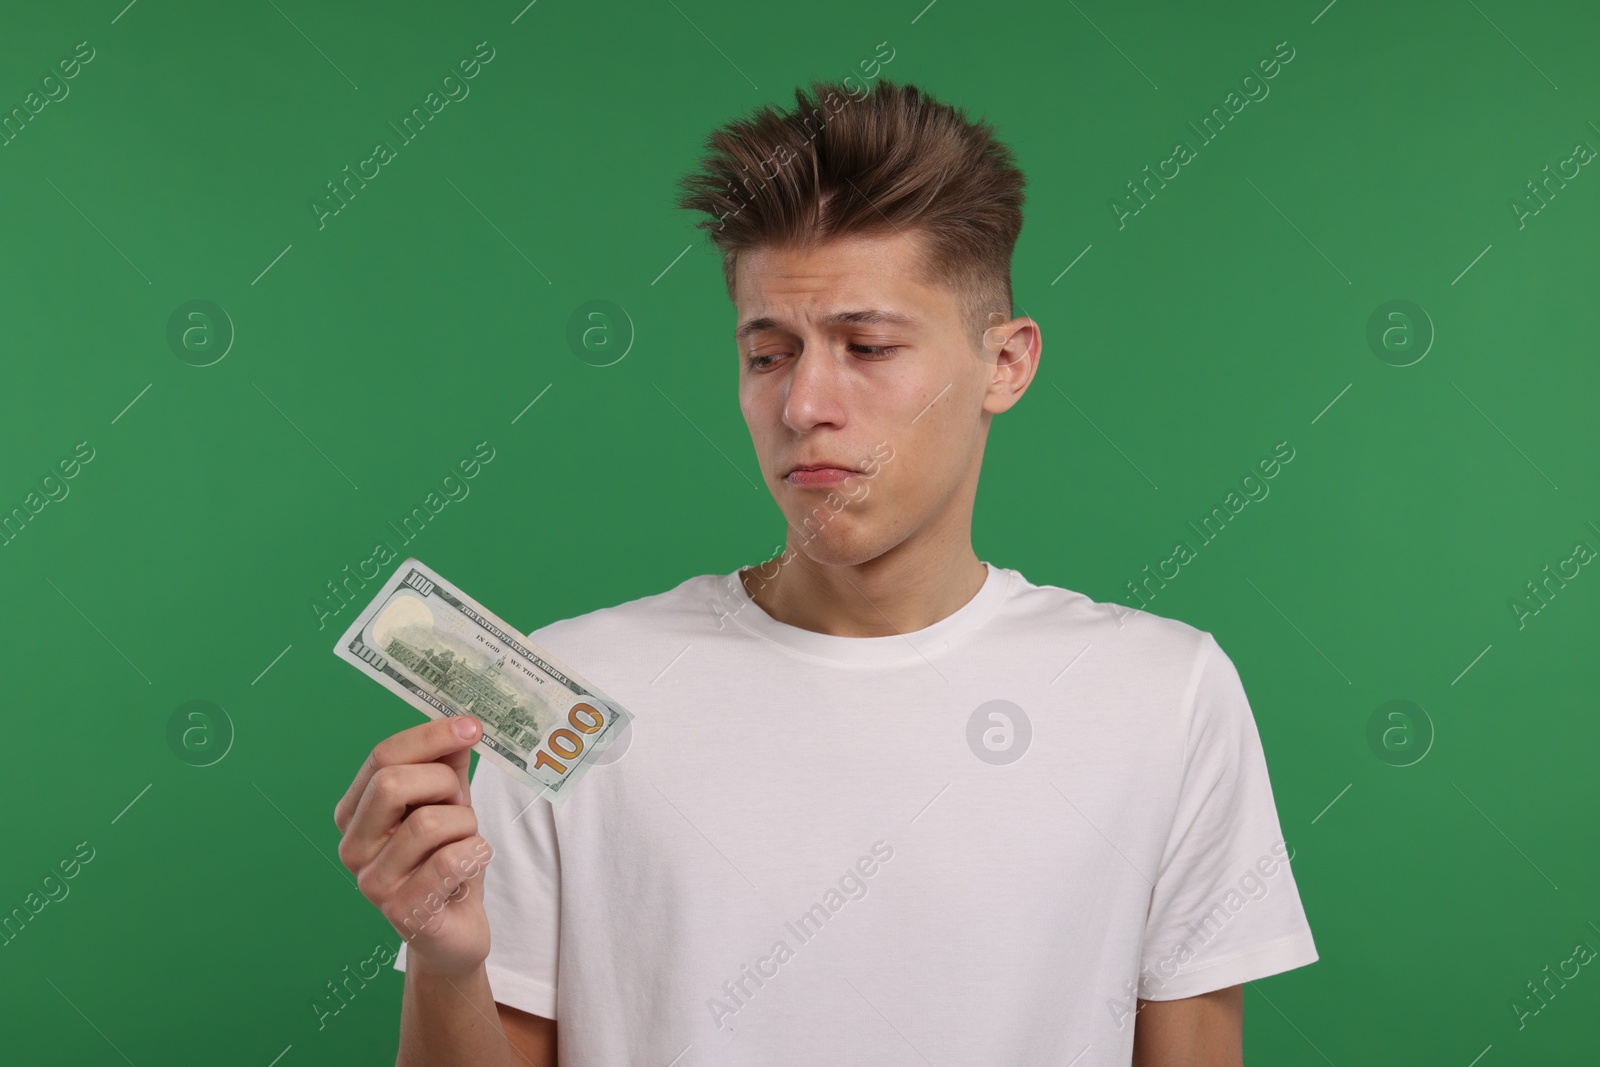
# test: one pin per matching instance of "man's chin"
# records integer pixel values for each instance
(837, 548)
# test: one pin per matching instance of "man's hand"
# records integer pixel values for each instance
(411, 839)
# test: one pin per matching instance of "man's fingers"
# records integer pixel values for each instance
(424, 743)
(462, 762)
(423, 832)
(391, 792)
(444, 878)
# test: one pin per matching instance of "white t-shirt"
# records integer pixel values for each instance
(962, 845)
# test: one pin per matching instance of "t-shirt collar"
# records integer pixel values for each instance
(867, 651)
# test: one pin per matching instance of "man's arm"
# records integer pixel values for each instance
(1200, 1031)
(451, 1021)
(532, 1037)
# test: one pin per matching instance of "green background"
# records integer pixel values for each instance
(372, 353)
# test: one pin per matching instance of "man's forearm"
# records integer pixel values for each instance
(450, 1022)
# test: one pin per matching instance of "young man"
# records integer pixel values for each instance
(882, 802)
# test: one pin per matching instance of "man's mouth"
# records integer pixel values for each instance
(808, 475)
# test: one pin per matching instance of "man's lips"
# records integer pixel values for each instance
(824, 464)
(809, 476)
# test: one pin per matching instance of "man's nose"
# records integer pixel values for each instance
(814, 389)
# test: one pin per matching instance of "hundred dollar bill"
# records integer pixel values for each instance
(442, 652)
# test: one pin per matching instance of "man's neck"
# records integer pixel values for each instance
(895, 593)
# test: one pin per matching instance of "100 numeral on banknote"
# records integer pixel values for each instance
(443, 653)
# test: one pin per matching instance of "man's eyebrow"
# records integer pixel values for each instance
(866, 317)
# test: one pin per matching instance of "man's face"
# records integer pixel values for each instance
(905, 404)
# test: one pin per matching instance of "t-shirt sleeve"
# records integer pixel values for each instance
(521, 890)
(1224, 909)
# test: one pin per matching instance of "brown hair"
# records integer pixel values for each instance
(843, 164)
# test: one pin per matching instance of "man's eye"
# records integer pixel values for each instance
(870, 351)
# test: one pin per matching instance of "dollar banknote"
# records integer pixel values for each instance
(445, 654)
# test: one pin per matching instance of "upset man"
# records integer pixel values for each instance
(882, 802)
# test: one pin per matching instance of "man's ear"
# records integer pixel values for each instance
(1010, 356)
